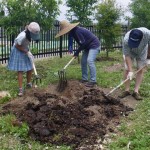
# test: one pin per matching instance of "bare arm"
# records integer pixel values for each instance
(21, 48)
(129, 63)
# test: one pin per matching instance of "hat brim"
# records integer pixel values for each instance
(133, 44)
(35, 37)
(66, 30)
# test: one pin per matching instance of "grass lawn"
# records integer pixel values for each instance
(134, 131)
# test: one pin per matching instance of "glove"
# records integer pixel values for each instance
(130, 75)
(148, 61)
(30, 55)
(76, 54)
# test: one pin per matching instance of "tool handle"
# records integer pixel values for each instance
(117, 86)
(124, 81)
(68, 63)
(33, 65)
(35, 72)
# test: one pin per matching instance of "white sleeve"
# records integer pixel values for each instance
(126, 49)
(148, 34)
(20, 38)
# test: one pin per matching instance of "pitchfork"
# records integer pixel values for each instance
(62, 77)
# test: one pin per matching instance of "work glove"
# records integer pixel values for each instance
(130, 75)
(148, 61)
(30, 55)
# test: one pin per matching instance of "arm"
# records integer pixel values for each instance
(126, 53)
(82, 43)
(70, 43)
(21, 48)
(129, 63)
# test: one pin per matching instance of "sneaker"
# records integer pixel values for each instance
(137, 96)
(124, 94)
(90, 84)
(20, 92)
(83, 81)
(29, 86)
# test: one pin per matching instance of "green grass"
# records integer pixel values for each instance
(134, 132)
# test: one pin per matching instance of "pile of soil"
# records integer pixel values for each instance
(77, 117)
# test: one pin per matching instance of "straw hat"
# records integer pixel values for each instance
(65, 27)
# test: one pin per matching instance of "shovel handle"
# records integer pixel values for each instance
(35, 72)
(117, 87)
(124, 81)
(68, 63)
(33, 65)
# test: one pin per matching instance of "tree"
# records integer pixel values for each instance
(140, 12)
(81, 10)
(21, 12)
(108, 14)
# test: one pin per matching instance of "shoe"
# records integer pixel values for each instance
(137, 96)
(83, 81)
(124, 94)
(29, 86)
(90, 84)
(20, 92)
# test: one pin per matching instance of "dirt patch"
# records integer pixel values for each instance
(114, 68)
(78, 117)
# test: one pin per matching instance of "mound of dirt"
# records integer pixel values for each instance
(78, 117)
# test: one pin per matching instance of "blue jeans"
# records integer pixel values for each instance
(88, 59)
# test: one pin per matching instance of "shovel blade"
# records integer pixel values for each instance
(36, 79)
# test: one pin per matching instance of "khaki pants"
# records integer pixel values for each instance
(136, 63)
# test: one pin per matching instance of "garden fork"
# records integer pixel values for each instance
(62, 77)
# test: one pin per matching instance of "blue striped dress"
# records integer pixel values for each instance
(19, 61)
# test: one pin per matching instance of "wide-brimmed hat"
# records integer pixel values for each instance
(65, 27)
(34, 29)
(135, 38)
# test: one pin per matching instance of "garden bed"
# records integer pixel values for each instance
(79, 117)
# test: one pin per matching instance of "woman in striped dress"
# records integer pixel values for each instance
(20, 56)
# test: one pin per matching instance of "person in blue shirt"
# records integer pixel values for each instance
(88, 43)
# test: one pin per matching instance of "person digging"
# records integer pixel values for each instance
(136, 46)
(87, 42)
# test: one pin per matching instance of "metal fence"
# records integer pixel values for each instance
(48, 45)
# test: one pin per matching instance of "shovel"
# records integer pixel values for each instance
(106, 95)
(36, 78)
(62, 77)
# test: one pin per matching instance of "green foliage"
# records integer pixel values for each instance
(135, 129)
(22, 12)
(5, 99)
(140, 12)
(6, 126)
(34, 50)
(107, 16)
(81, 10)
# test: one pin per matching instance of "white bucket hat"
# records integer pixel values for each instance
(34, 29)
(65, 27)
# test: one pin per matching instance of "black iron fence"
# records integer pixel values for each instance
(48, 45)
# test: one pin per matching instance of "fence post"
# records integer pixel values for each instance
(60, 51)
